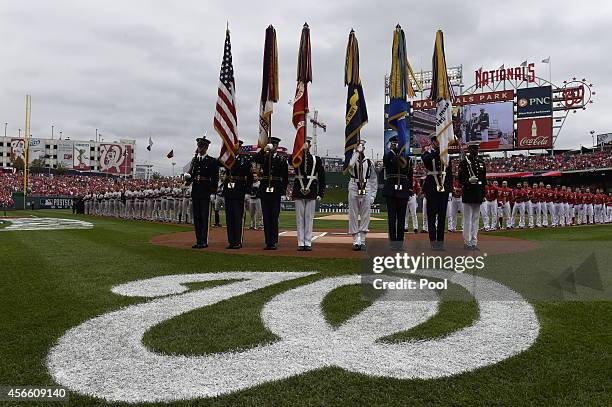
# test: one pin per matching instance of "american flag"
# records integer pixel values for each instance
(225, 121)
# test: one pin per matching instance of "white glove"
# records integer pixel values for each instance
(187, 176)
(372, 199)
(268, 147)
(318, 198)
(360, 148)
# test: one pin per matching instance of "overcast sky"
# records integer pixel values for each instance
(135, 69)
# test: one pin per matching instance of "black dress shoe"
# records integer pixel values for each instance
(273, 247)
(416, 231)
(195, 246)
(268, 247)
(307, 248)
(300, 248)
(231, 246)
(356, 247)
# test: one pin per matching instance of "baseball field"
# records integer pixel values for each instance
(113, 311)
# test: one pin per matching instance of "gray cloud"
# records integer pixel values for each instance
(147, 68)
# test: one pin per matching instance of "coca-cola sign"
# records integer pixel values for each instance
(534, 133)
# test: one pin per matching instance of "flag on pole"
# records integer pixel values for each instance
(225, 121)
(150, 144)
(170, 154)
(300, 103)
(546, 60)
(356, 111)
(269, 87)
(442, 94)
(400, 87)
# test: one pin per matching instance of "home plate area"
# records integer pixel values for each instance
(329, 243)
(23, 224)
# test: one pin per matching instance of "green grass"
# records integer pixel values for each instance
(55, 280)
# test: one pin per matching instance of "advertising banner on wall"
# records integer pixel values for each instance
(65, 153)
(81, 153)
(116, 158)
(534, 133)
(37, 150)
(17, 149)
(534, 102)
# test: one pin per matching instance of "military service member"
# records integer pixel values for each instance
(273, 185)
(397, 189)
(237, 182)
(473, 178)
(436, 188)
(362, 192)
(203, 176)
(308, 187)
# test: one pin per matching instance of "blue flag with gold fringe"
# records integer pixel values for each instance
(400, 87)
(356, 111)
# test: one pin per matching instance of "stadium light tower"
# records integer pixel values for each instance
(592, 132)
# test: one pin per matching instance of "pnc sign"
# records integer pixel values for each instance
(534, 102)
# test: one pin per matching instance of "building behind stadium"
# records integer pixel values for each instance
(116, 158)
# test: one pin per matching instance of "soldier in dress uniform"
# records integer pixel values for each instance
(397, 190)
(203, 176)
(238, 180)
(273, 185)
(473, 179)
(308, 188)
(362, 192)
(436, 188)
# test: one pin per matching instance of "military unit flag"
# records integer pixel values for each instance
(300, 103)
(269, 87)
(356, 111)
(442, 94)
(400, 87)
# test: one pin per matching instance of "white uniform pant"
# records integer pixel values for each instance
(455, 207)
(569, 209)
(505, 208)
(411, 212)
(536, 209)
(552, 209)
(519, 207)
(609, 213)
(359, 216)
(471, 219)
(560, 208)
(589, 213)
(529, 211)
(304, 216)
(489, 214)
(598, 213)
(255, 212)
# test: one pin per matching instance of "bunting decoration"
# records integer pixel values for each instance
(300, 103)
(400, 87)
(269, 87)
(442, 95)
(356, 111)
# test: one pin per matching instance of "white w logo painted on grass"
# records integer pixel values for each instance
(105, 357)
